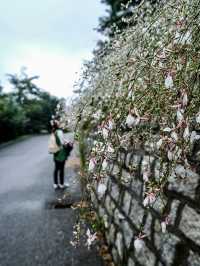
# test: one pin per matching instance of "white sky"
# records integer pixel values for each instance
(49, 37)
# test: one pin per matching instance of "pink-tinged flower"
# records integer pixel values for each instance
(90, 238)
(150, 199)
(146, 175)
(169, 81)
(101, 190)
(92, 164)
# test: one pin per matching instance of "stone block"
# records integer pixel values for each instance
(121, 157)
(118, 216)
(126, 178)
(119, 244)
(126, 202)
(109, 205)
(115, 255)
(133, 161)
(136, 213)
(127, 233)
(187, 184)
(101, 211)
(159, 204)
(115, 193)
(128, 157)
(146, 257)
(115, 170)
(190, 224)
(147, 161)
(193, 259)
(131, 262)
(173, 211)
(147, 226)
(136, 186)
(110, 234)
(166, 246)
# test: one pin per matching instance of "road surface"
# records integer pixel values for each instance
(31, 232)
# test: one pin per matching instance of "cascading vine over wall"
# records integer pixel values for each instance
(139, 113)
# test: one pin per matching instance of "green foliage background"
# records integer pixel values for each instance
(26, 110)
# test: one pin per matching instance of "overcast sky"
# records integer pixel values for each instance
(50, 38)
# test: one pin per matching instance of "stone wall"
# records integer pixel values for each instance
(124, 214)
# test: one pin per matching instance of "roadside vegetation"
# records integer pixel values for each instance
(27, 109)
(141, 90)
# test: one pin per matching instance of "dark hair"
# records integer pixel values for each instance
(55, 126)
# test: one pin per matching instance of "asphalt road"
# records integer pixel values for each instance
(31, 232)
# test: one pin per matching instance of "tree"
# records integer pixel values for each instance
(26, 110)
(12, 118)
(23, 86)
(118, 12)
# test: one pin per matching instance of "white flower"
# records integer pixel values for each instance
(90, 238)
(167, 129)
(159, 144)
(174, 136)
(110, 149)
(170, 155)
(194, 136)
(121, 216)
(164, 224)
(105, 133)
(110, 124)
(104, 165)
(185, 99)
(132, 120)
(92, 165)
(150, 199)
(198, 118)
(138, 244)
(163, 227)
(183, 38)
(97, 115)
(169, 82)
(186, 133)
(146, 202)
(179, 115)
(101, 190)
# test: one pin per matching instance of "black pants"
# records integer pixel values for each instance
(59, 169)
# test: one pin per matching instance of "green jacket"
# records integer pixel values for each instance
(61, 154)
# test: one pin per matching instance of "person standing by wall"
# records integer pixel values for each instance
(59, 157)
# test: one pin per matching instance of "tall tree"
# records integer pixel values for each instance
(23, 86)
(118, 9)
